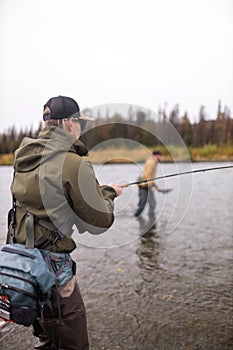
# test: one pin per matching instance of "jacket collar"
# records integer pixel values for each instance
(55, 132)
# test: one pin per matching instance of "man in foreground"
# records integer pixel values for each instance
(56, 186)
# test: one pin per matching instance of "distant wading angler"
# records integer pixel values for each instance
(146, 190)
(57, 186)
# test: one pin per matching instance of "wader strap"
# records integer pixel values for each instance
(51, 227)
(29, 223)
(66, 227)
(64, 230)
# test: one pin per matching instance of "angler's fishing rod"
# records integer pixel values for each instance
(175, 174)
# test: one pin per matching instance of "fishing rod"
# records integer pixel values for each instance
(172, 175)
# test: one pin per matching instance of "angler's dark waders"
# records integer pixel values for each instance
(68, 333)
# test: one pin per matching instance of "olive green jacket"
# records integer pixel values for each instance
(55, 183)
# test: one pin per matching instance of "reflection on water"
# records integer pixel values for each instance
(148, 249)
(146, 225)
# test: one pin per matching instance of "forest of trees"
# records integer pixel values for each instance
(217, 131)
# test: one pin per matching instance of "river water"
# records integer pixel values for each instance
(162, 284)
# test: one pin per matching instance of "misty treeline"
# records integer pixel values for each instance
(143, 127)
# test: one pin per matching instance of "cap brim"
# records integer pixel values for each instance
(82, 116)
(86, 117)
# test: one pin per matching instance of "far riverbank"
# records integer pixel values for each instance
(209, 153)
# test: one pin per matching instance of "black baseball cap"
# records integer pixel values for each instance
(62, 107)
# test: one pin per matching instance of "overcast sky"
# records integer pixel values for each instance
(146, 52)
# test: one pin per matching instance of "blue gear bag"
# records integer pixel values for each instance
(27, 276)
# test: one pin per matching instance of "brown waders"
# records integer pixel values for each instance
(63, 326)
